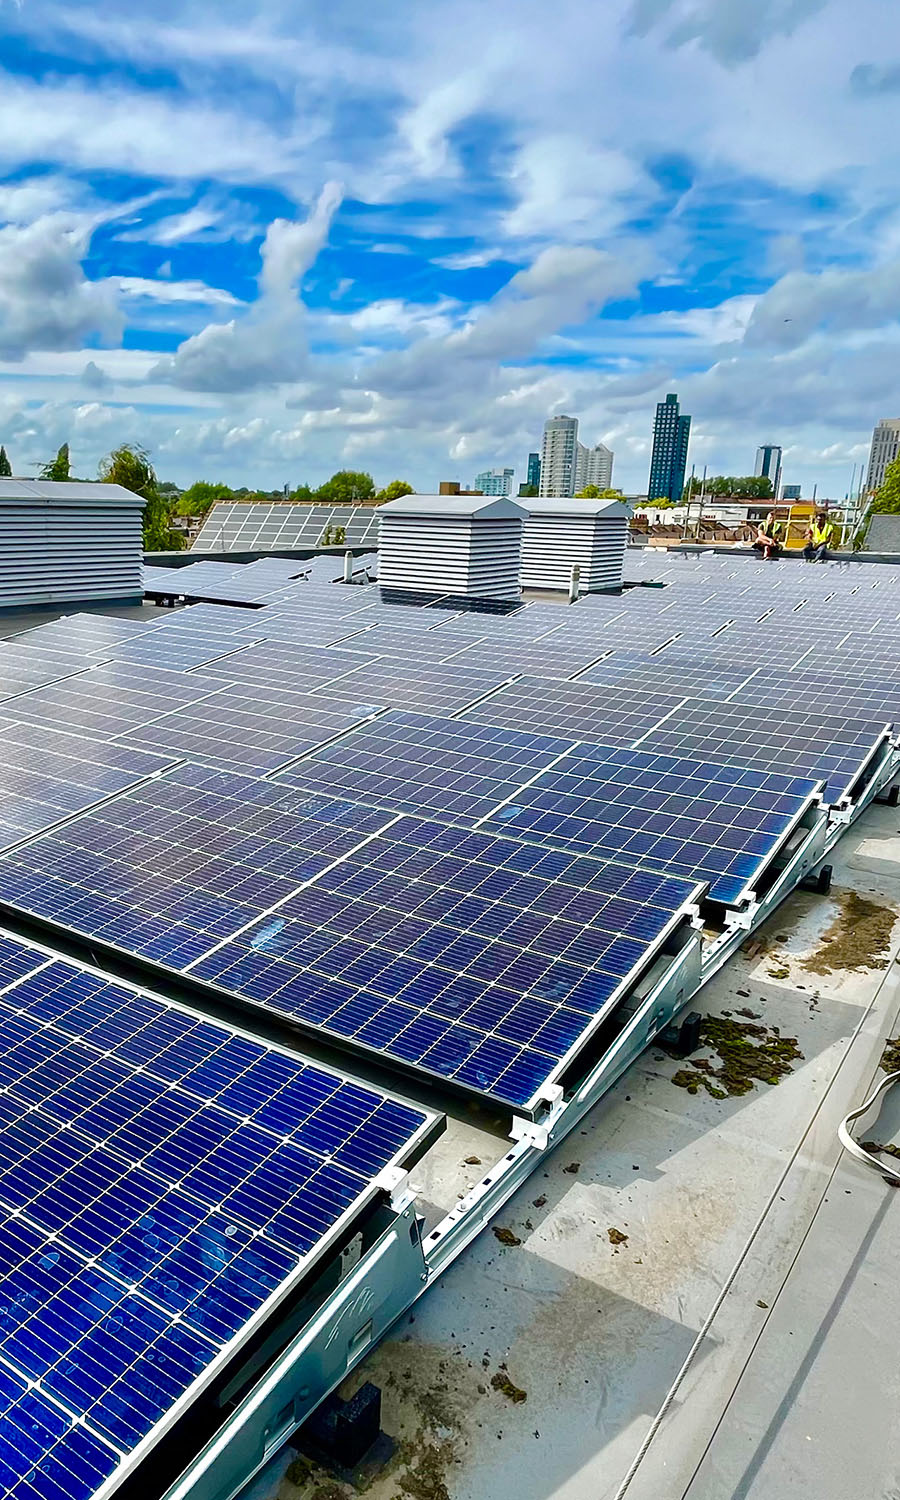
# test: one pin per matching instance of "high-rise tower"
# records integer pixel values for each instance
(671, 435)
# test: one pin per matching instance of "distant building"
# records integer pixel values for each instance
(768, 465)
(558, 455)
(533, 480)
(451, 487)
(593, 466)
(885, 449)
(671, 435)
(494, 482)
(790, 492)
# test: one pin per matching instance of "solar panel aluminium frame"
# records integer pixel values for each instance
(419, 1142)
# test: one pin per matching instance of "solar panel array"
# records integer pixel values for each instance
(257, 526)
(164, 1181)
(452, 841)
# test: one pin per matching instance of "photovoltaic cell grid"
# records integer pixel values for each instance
(46, 777)
(478, 959)
(88, 635)
(163, 1182)
(834, 748)
(696, 820)
(425, 686)
(418, 763)
(253, 730)
(167, 870)
(250, 526)
(653, 674)
(818, 691)
(299, 669)
(23, 668)
(570, 711)
(108, 700)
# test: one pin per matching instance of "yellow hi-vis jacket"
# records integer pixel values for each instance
(823, 532)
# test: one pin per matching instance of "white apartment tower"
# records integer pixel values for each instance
(495, 481)
(593, 466)
(558, 456)
(885, 449)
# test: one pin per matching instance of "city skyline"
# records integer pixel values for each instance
(269, 244)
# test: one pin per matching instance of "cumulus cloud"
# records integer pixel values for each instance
(46, 301)
(876, 78)
(268, 346)
(803, 303)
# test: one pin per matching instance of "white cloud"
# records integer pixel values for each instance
(46, 302)
(567, 187)
(268, 346)
(803, 303)
(174, 291)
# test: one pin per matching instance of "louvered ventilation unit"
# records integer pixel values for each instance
(561, 534)
(69, 543)
(464, 548)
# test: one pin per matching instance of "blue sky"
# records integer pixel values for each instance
(398, 238)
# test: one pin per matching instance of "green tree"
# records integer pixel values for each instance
(5, 465)
(394, 491)
(303, 495)
(347, 487)
(527, 491)
(130, 467)
(730, 486)
(58, 467)
(886, 501)
(591, 492)
(200, 496)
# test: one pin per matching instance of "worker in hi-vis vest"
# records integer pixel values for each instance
(769, 536)
(819, 538)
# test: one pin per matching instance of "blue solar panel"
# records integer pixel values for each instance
(608, 716)
(479, 959)
(699, 821)
(47, 776)
(164, 1182)
(417, 762)
(25, 667)
(834, 747)
(254, 730)
(428, 687)
(109, 699)
(385, 939)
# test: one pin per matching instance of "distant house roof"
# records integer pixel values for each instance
(50, 492)
(481, 507)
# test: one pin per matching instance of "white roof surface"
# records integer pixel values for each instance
(482, 507)
(65, 492)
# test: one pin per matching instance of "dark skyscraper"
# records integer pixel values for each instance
(671, 435)
(534, 471)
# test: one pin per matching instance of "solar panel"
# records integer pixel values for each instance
(834, 748)
(165, 1181)
(654, 674)
(693, 819)
(254, 730)
(23, 668)
(89, 635)
(475, 958)
(110, 699)
(46, 777)
(178, 652)
(570, 711)
(819, 690)
(428, 687)
(415, 762)
(297, 668)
